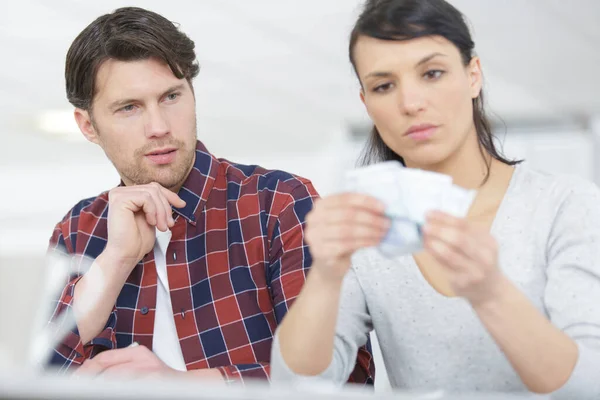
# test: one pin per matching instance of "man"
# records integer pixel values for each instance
(196, 258)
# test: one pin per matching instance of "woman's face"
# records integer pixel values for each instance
(419, 94)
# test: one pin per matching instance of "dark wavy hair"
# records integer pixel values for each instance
(127, 34)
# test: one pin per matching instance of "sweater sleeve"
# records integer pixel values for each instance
(572, 295)
(352, 331)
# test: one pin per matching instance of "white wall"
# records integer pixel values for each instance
(568, 152)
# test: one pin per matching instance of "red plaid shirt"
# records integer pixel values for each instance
(236, 260)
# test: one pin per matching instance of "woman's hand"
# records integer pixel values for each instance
(468, 252)
(339, 225)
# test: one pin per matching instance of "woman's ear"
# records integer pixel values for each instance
(475, 76)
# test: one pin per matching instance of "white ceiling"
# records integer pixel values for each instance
(276, 71)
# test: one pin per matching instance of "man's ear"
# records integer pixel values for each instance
(84, 121)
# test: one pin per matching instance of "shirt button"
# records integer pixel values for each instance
(144, 310)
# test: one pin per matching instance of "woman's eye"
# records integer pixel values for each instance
(382, 88)
(433, 74)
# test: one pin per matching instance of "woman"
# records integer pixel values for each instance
(507, 299)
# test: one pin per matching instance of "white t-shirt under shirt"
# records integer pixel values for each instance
(165, 343)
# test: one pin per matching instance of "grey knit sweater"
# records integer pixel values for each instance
(548, 230)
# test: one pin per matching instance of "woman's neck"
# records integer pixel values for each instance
(490, 182)
(468, 167)
(473, 168)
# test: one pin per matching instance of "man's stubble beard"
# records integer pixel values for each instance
(137, 174)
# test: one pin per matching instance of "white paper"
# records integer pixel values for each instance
(408, 194)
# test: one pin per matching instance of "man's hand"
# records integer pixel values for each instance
(139, 361)
(133, 360)
(133, 214)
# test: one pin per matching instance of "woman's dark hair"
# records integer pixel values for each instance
(411, 19)
(127, 34)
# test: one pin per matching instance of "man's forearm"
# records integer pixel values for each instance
(306, 335)
(96, 293)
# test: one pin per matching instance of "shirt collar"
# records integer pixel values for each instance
(198, 184)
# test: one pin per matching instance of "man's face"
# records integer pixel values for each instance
(144, 118)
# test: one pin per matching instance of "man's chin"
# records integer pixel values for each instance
(170, 176)
(170, 182)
